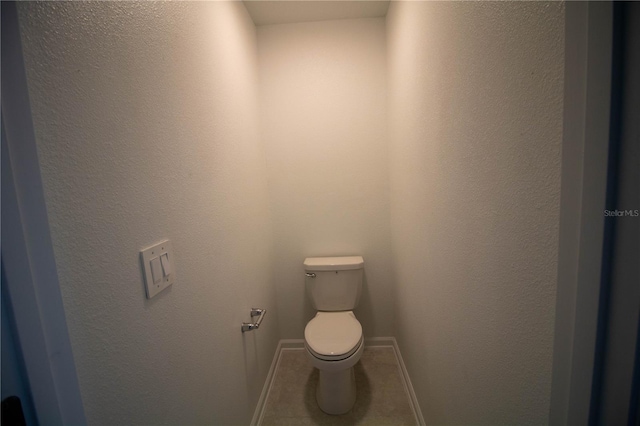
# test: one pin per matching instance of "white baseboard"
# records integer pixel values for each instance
(404, 374)
(297, 344)
(413, 400)
(259, 411)
(292, 343)
(373, 342)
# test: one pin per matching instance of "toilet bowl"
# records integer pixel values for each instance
(333, 338)
(334, 344)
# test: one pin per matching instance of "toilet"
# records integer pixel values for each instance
(333, 338)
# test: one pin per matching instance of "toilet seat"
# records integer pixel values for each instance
(335, 357)
(333, 336)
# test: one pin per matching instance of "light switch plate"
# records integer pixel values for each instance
(152, 252)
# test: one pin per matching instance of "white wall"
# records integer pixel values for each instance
(475, 113)
(323, 114)
(148, 121)
(145, 116)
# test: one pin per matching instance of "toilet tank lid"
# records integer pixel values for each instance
(342, 263)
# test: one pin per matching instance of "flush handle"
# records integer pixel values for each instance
(310, 275)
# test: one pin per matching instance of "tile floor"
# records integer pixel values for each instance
(381, 396)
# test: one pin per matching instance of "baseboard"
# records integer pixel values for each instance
(292, 343)
(259, 411)
(297, 344)
(413, 400)
(368, 341)
(373, 342)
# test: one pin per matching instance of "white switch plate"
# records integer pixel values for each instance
(146, 256)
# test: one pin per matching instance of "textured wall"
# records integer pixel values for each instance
(145, 116)
(475, 125)
(323, 111)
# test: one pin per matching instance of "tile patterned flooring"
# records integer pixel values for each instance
(381, 396)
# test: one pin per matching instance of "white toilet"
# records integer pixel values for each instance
(333, 338)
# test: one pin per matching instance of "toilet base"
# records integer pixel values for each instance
(336, 391)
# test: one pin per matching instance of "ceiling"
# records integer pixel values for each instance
(269, 12)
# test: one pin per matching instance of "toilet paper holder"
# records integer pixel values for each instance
(255, 312)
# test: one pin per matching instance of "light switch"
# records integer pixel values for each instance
(166, 265)
(158, 267)
(156, 273)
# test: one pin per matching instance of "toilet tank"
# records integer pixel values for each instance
(334, 283)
